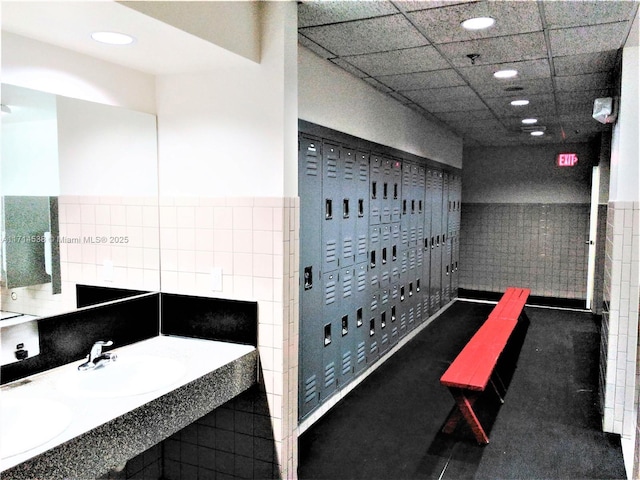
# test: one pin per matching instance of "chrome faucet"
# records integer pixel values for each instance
(97, 358)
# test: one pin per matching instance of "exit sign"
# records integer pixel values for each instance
(566, 159)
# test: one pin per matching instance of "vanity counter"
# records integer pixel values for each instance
(106, 431)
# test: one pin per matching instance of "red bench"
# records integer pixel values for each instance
(472, 370)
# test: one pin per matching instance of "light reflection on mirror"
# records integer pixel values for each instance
(101, 163)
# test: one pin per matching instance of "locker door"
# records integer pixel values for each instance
(446, 241)
(348, 290)
(375, 189)
(412, 206)
(385, 330)
(406, 220)
(396, 190)
(435, 241)
(426, 245)
(419, 195)
(331, 190)
(362, 207)
(310, 188)
(387, 190)
(403, 310)
(394, 252)
(375, 246)
(360, 331)
(373, 328)
(385, 255)
(393, 313)
(349, 215)
(330, 333)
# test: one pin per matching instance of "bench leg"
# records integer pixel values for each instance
(465, 408)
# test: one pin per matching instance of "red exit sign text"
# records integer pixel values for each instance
(566, 159)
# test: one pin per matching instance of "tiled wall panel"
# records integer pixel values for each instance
(619, 357)
(540, 246)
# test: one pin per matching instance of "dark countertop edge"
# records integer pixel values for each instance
(94, 453)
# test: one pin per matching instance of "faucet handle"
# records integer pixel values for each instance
(96, 349)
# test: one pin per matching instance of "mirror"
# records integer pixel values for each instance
(100, 163)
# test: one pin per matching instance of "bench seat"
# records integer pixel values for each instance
(472, 370)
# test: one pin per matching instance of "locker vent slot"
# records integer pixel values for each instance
(330, 292)
(348, 167)
(362, 245)
(411, 316)
(347, 247)
(362, 352)
(346, 363)
(362, 281)
(329, 374)
(310, 389)
(384, 340)
(327, 334)
(332, 167)
(373, 349)
(331, 251)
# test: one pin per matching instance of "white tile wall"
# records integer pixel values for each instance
(621, 294)
(254, 241)
(94, 231)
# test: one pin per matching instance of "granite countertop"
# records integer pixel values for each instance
(104, 431)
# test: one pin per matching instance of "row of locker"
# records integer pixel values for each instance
(368, 276)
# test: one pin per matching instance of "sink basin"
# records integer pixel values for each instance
(27, 423)
(128, 375)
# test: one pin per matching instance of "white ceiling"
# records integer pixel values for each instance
(566, 53)
(159, 48)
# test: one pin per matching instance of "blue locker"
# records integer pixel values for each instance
(435, 241)
(396, 190)
(349, 206)
(385, 254)
(310, 354)
(362, 207)
(375, 189)
(348, 291)
(375, 248)
(387, 190)
(446, 241)
(360, 332)
(331, 190)
(384, 334)
(331, 325)
(372, 324)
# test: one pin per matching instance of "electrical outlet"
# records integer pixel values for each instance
(19, 341)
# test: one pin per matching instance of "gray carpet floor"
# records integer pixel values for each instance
(548, 427)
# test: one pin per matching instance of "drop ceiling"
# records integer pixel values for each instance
(567, 54)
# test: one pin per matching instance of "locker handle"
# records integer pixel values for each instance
(374, 190)
(402, 293)
(328, 209)
(345, 208)
(438, 241)
(372, 327)
(361, 207)
(426, 243)
(384, 255)
(432, 242)
(411, 289)
(394, 253)
(447, 269)
(373, 259)
(419, 206)
(413, 207)
(418, 285)
(383, 320)
(359, 321)
(308, 278)
(345, 325)
(393, 313)
(395, 191)
(327, 334)
(456, 266)
(385, 190)
(404, 207)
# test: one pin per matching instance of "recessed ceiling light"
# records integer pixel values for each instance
(478, 23)
(508, 73)
(537, 133)
(529, 121)
(519, 103)
(112, 38)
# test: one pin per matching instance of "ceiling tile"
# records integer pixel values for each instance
(586, 12)
(499, 88)
(412, 5)
(314, 47)
(443, 94)
(409, 60)
(511, 48)
(321, 13)
(585, 63)
(589, 81)
(596, 38)
(540, 105)
(464, 116)
(527, 70)
(366, 36)
(442, 25)
(421, 80)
